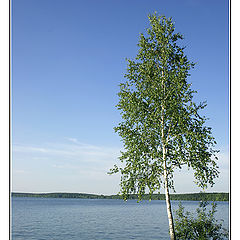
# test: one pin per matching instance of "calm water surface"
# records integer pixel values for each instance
(100, 219)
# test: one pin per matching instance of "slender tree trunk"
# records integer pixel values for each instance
(168, 203)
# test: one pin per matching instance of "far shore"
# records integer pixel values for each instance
(215, 196)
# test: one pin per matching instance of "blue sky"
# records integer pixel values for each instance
(68, 58)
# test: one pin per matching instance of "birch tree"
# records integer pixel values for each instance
(162, 128)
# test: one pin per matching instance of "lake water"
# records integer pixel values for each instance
(100, 219)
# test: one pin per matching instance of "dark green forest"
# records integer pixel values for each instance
(185, 197)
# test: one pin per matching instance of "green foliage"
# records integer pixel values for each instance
(162, 128)
(202, 227)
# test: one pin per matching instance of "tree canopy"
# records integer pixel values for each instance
(162, 127)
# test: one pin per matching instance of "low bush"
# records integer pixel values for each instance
(200, 226)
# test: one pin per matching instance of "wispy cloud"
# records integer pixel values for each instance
(81, 165)
(70, 150)
(66, 165)
(24, 148)
(74, 140)
(223, 161)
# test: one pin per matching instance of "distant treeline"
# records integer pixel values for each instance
(186, 196)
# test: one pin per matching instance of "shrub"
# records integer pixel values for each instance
(200, 227)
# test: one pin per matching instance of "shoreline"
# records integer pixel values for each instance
(215, 196)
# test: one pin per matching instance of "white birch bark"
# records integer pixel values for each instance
(168, 203)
